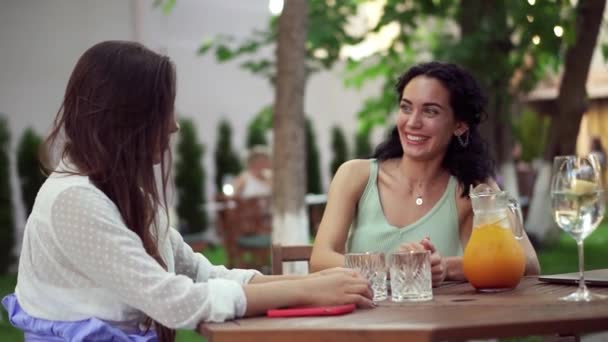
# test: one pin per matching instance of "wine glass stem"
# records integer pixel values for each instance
(581, 266)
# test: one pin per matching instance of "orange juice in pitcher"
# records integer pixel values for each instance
(494, 259)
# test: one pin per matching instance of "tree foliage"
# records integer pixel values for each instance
(313, 168)
(257, 128)
(190, 179)
(531, 130)
(227, 161)
(508, 45)
(339, 148)
(326, 35)
(496, 40)
(363, 145)
(7, 233)
(29, 168)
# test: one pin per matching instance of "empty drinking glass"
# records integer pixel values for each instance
(372, 266)
(411, 276)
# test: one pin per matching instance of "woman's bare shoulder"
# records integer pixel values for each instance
(356, 166)
(353, 174)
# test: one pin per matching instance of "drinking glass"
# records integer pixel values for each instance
(411, 278)
(578, 202)
(372, 266)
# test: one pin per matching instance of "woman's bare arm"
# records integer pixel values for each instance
(344, 193)
(532, 264)
(336, 288)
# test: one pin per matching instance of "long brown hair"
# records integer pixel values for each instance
(114, 126)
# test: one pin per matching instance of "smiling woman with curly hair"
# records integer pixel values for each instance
(413, 193)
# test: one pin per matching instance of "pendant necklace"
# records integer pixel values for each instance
(419, 200)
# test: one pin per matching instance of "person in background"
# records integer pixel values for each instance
(517, 155)
(597, 149)
(256, 179)
(100, 261)
(413, 194)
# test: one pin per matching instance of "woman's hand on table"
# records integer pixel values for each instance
(439, 268)
(337, 286)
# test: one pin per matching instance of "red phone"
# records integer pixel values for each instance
(312, 311)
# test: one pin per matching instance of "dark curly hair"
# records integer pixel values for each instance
(470, 164)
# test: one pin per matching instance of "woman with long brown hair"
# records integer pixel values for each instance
(99, 259)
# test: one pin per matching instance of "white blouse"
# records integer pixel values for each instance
(255, 187)
(79, 260)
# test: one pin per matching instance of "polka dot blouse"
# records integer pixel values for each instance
(79, 260)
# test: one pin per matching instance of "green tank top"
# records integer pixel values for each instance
(371, 232)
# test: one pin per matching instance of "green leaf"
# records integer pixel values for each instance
(605, 51)
(257, 66)
(223, 53)
(168, 6)
(205, 46)
(358, 76)
(249, 46)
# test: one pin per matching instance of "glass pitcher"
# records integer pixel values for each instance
(494, 260)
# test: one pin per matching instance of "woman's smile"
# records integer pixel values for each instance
(415, 139)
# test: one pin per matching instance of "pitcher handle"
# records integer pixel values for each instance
(515, 208)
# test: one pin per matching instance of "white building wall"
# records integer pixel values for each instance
(40, 41)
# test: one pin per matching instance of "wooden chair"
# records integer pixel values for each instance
(282, 254)
(246, 227)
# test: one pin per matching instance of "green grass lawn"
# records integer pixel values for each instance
(561, 257)
(7, 332)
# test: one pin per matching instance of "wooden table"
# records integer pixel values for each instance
(457, 312)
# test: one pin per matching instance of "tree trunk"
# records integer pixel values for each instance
(572, 102)
(290, 221)
(570, 106)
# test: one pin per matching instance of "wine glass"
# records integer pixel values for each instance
(578, 202)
